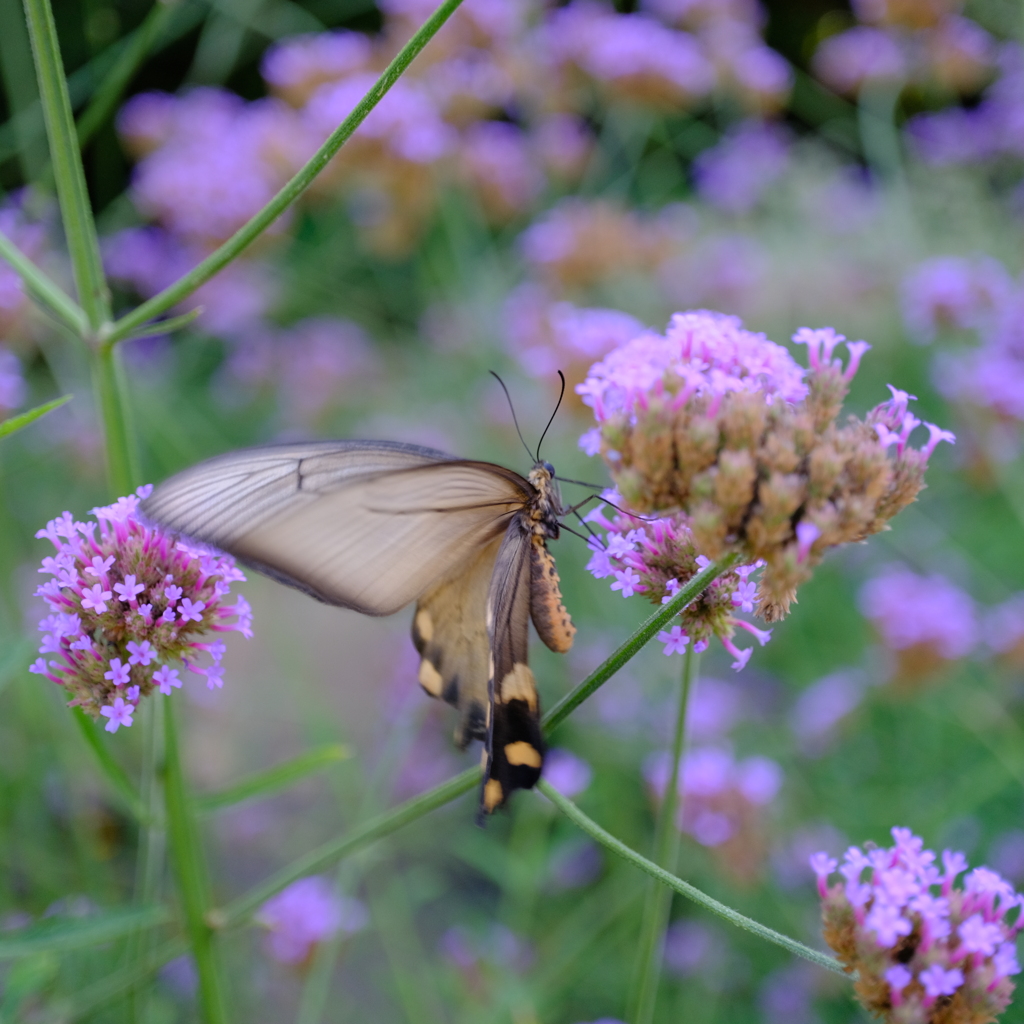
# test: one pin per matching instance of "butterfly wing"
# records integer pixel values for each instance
(450, 633)
(368, 525)
(515, 746)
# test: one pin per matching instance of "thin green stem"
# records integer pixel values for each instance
(112, 88)
(658, 902)
(111, 397)
(42, 288)
(246, 234)
(606, 839)
(190, 868)
(69, 175)
(384, 824)
(690, 592)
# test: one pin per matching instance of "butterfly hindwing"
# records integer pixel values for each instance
(516, 747)
(450, 633)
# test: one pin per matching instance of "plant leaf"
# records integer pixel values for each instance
(279, 777)
(15, 423)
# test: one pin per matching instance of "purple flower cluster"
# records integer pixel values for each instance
(925, 950)
(546, 336)
(29, 235)
(736, 173)
(952, 291)
(926, 620)
(125, 600)
(721, 801)
(989, 130)
(720, 423)
(308, 912)
(927, 45)
(12, 383)
(654, 557)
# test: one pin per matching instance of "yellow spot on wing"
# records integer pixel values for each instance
(425, 625)
(430, 679)
(519, 684)
(522, 752)
(493, 794)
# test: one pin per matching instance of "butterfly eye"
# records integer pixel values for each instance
(549, 468)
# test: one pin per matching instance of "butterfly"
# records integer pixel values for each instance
(376, 525)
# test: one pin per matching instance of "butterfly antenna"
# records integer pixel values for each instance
(553, 415)
(513, 410)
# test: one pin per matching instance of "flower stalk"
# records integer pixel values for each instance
(658, 902)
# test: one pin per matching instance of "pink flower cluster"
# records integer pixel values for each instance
(655, 557)
(125, 600)
(910, 611)
(925, 950)
(308, 912)
(711, 352)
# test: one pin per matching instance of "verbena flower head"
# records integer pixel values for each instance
(1004, 630)
(951, 291)
(653, 558)
(926, 621)
(126, 601)
(12, 383)
(735, 174)
(304, 914)
(926, 951)
(721, 425)
(722, 801)
(858, 56)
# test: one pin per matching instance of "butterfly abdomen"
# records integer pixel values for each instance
(550, 618)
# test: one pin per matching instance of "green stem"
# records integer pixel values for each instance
(658, 903)
(42, 288)
(111, 89)
(382, 825)
(390, 821)
(69, 175)
(246, 234)
(190, 868)
(690, 592)
(111, 396)
(606, 839)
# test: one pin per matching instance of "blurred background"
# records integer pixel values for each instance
(544, 182)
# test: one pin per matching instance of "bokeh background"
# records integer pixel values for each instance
(545, 182)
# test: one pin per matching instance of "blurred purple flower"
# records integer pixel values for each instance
(787, 996)
(566, 772)
(912, 611)
(1004, 627)
(693, 949)
(406, 120)
(994, 128)
(1007, 855)
(307, 912)
(30, 237)
(734, 174)
(563, 143)
(860, 55)
(574, 865)
(715, 707)
(296, 66)
(220, 160)
(495, 157)
(12, 383)
(822, 706)
(545, 335)
(148, 259)
(952, 291)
